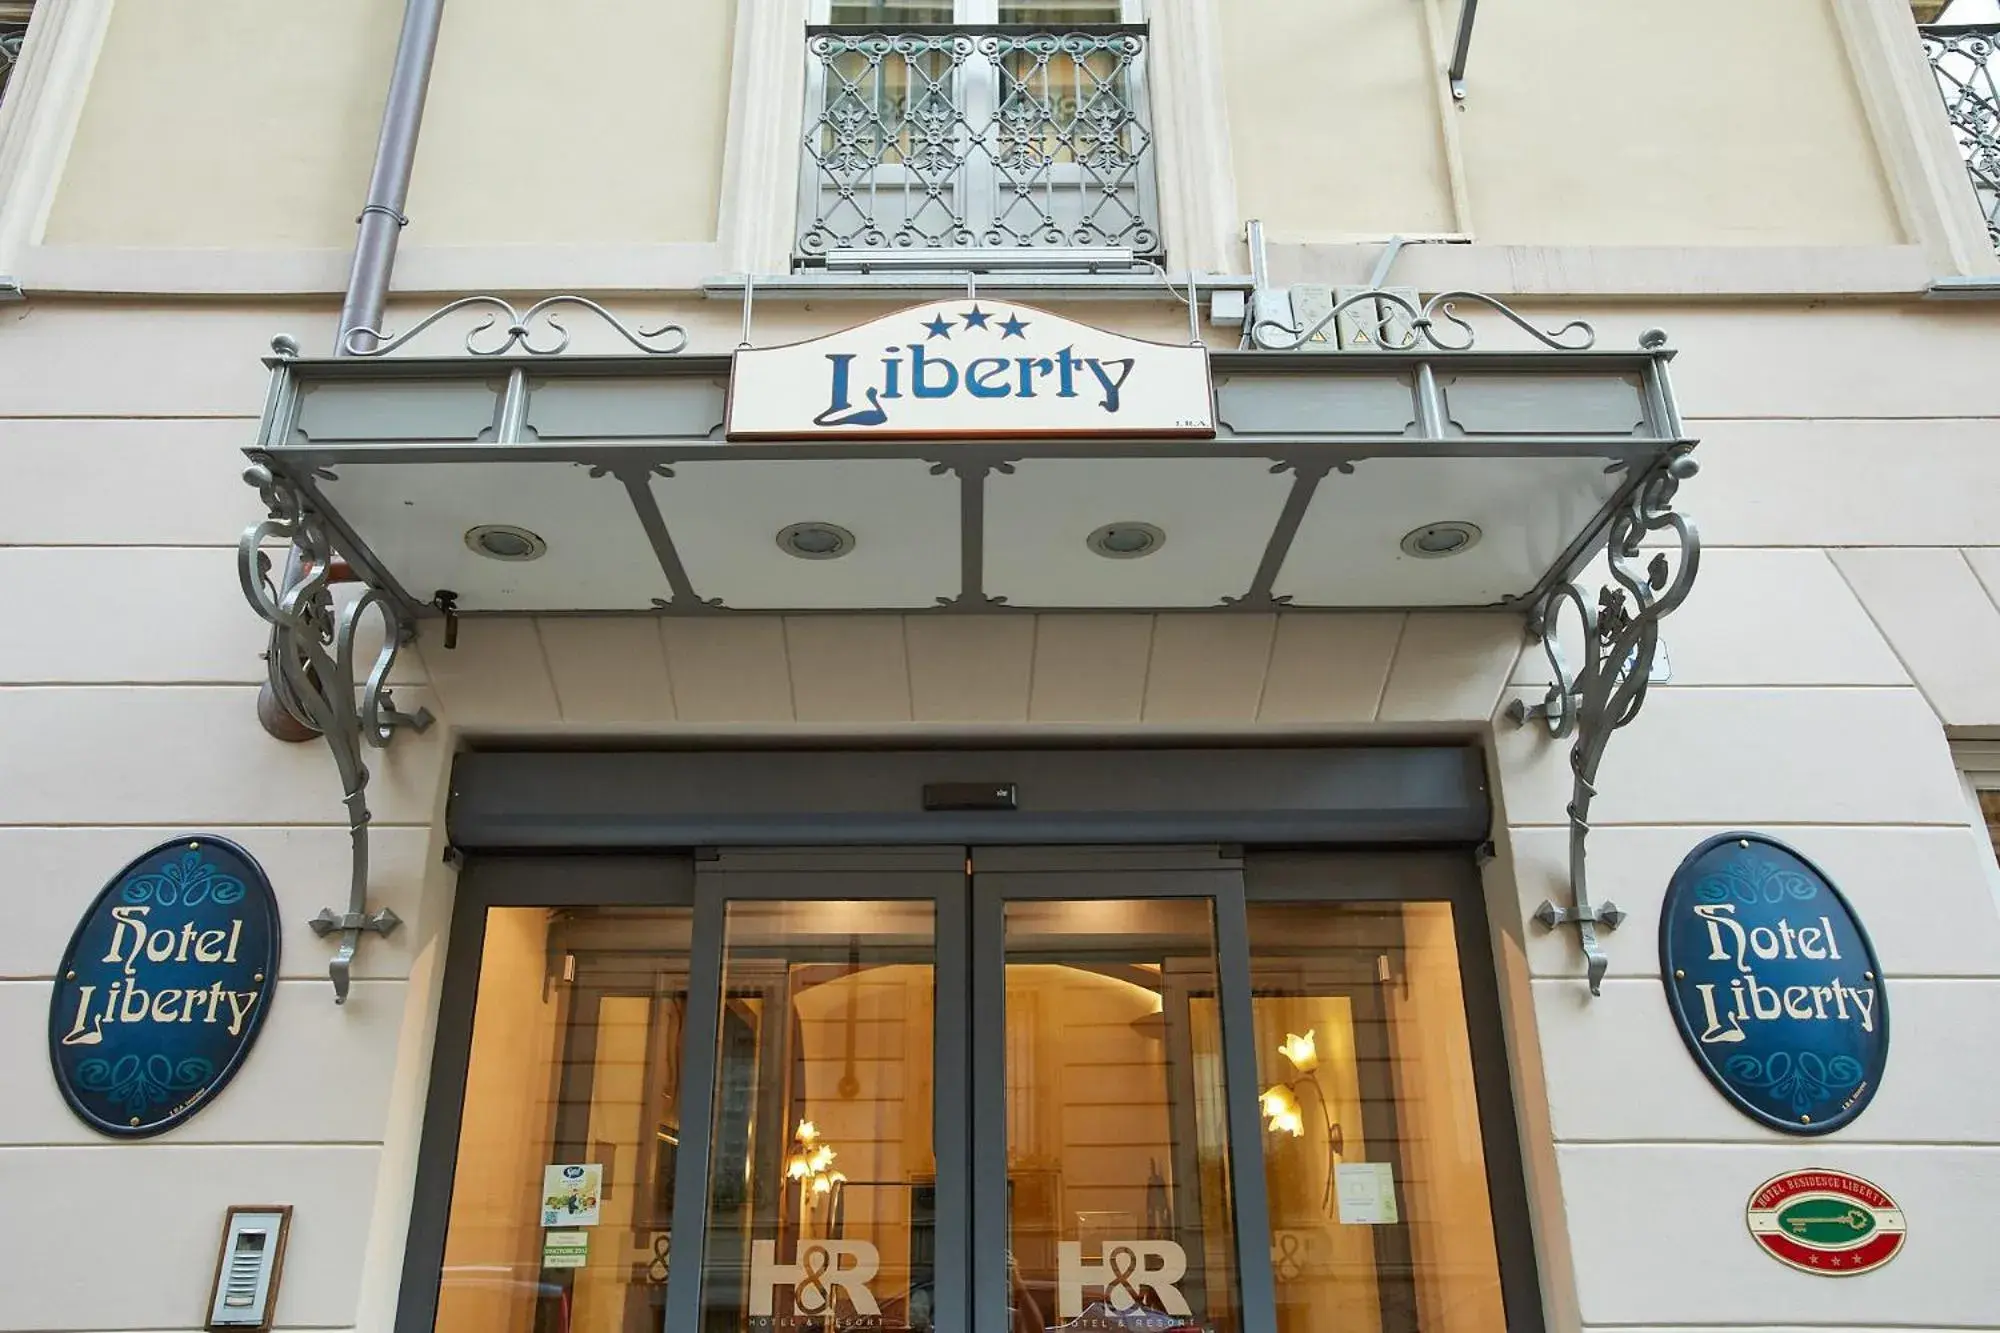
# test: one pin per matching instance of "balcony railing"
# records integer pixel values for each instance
(1966, 60)
(955, 138)
(12, 34)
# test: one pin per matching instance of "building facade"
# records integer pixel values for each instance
(939, 664)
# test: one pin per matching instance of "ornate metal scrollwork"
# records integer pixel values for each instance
(951, 140)
(315, 658)
(1426, 323)
(520, 329)
(1965, 59)
(1621, 636)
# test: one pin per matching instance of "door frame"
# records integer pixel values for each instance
(900, 874)
(1029, 874)
(564, 880)
(579, 1031)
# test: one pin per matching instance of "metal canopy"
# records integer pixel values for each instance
(1326, 478)
(1321, 467)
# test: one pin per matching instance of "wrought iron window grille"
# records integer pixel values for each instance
(13, 33)
(1965, 59)
(957, 137)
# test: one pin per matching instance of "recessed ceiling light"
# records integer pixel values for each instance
(815, 541)
(1433, 541)
(1126, 541)
(504, 541)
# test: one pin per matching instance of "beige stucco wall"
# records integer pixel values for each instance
(1708, 122)
(1618, 123)
(249, 124)
(228, 122)
(1837, 442)
(1333, 117)
(252, 124)
(600, 121)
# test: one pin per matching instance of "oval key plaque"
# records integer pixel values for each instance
(164, 987)
(1774, 984)
(1826, 1222)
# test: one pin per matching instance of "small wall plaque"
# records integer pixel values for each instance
(1825, 1222)
(1774, 984)
(164, 987)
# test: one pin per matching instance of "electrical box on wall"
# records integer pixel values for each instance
(1376, 325)
(247, 1271)
(1368, 325)
(1312, 303)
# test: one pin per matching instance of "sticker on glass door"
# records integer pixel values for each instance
(1128, 1272)
(829, 1282)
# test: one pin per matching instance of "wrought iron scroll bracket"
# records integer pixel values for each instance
(549, 337)
(1433, 326)
(315, 643)
(1589, 701)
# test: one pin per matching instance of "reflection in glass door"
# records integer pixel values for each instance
(571, 1125)
(1374, 1166)
(1106, 1195)
(1117, 1163)
(822, 1184)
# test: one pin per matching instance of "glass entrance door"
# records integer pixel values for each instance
(1104, 1189)
(834, 1175)
(569, 1138)
(1007, 1090)
(944, 1096)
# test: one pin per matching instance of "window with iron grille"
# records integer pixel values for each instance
(13, 32)
(970, 124)
(1961, 38)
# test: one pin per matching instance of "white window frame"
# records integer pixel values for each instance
(1913, 138)
(39, 112)
(1978, 771)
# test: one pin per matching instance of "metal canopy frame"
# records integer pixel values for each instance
(297, 473)
(1587, 702)
(1461, 49)
(299, 469)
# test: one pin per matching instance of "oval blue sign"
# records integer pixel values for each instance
(164, 987)
(1774, 984)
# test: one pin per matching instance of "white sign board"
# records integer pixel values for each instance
(970, 369)
(565, 1249)
(1366, 1192)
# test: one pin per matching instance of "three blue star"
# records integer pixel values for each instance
(940, 327)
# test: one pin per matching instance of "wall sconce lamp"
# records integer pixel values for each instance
(1280, 1103)
(811, 1163)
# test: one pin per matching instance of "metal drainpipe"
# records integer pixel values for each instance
(389, 187)
(380, 226)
